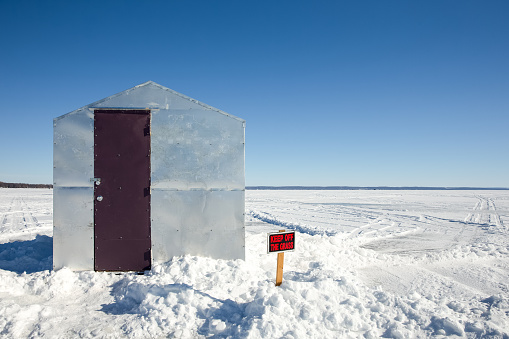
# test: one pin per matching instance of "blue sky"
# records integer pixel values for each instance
(359, 93)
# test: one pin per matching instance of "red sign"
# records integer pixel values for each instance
(280, 242)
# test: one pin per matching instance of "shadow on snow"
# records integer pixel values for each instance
(27, 256)
(269, 219)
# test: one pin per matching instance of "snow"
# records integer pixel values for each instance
(369, 264)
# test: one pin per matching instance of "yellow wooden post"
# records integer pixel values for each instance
(279, 271)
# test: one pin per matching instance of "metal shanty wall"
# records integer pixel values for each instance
(197, 185)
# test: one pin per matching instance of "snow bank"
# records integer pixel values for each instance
(321, 296)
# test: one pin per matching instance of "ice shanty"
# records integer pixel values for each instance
(145, 175)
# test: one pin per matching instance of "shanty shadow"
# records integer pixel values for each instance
(27, 256)
(129, 297)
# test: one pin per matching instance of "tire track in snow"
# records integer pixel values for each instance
(375, 227)
(360, 230)
(488, 218)
(474, 217)
(497, 220)
(30, 220)
(8, 215)
(485, 213)
(19, 218)
(15, 213)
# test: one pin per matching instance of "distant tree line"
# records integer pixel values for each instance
(22, 185)
(381, 188)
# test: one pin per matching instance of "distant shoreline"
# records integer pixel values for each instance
(23, 185)
(313, 188)
(380, 188)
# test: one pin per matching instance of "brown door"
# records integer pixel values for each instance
(122, 190)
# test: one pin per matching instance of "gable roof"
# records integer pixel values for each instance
(151, 85)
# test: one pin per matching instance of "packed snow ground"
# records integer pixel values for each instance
(397, 264)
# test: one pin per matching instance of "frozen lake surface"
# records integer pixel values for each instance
(368, 263)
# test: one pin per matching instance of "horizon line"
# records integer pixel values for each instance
(443, 188)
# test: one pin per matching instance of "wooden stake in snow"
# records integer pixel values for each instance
(279, 271)
(279, 243)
